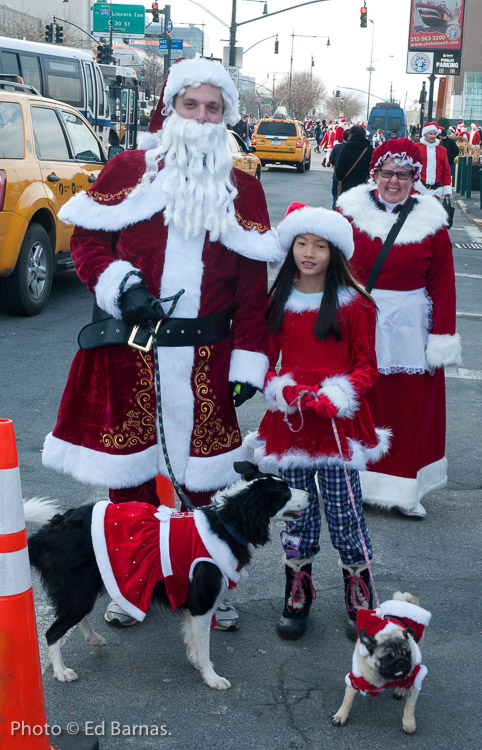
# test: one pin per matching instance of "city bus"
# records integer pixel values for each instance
(123, 95)
(67, 74)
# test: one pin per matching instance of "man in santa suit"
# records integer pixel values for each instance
(173, 215)
(436, 178)
(461, 129)
(474, 136)
(342, 126)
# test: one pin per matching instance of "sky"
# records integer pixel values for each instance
(342, 64)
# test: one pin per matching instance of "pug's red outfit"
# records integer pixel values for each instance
(136, 546)
(392, 614)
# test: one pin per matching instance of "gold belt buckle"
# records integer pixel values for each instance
(140, 347)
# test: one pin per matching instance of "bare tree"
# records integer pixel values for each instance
(350, 104)
(32, 29)
(307, 91)
(153, 68)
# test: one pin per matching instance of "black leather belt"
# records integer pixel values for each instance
(170, 332)
(434, 186)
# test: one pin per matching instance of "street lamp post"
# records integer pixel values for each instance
(308, 36)
(371, 69)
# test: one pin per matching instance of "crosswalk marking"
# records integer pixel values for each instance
(462, 373)
(470, 275)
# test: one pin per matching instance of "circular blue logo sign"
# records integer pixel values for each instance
(453, 32)
(420, 62)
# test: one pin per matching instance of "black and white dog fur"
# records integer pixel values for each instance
(63, 553)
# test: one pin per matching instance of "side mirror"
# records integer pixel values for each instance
(252, 149)
(113, 151)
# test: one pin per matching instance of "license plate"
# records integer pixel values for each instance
(275, 143)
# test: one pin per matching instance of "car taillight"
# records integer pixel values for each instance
(3, 187)
(253, 140)
(299, 143)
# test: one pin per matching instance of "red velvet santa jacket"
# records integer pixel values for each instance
(343, 370)
(106, 431)
(435, 168)
(415, 291)
(136, 546)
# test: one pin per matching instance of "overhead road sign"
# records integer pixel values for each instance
(175, 44)
(127, 20)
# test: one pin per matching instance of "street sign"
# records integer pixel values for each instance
(447, 63)
(234, 73)
(175, 44)
(169, 26)
(420, 62)
(127, 20)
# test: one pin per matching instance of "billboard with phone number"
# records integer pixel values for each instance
(436, 24)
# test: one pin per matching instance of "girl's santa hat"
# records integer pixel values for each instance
(193, 73)
(330, 225)
(398, 148)
(430, 127)
(394, 612)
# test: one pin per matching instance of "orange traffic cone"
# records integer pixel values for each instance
(165, 491)
(23, 721)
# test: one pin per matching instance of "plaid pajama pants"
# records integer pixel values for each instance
(301, 538)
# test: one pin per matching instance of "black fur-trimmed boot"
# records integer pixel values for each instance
(358, 594)
(299, 595)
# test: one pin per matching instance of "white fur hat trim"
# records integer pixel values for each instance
(322, 222)
(197, 71)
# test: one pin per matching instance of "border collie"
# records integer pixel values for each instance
(141, 554)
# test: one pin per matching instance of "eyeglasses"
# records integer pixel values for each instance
(387, 174)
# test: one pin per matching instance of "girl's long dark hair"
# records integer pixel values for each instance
(338, 274)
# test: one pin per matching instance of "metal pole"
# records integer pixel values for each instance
(110, 26)
(370, 73)
(232, 37)
(431, 78)
(291, 72)
(469, 177)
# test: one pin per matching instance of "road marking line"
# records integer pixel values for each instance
(462, 373)
(474, 232)
(476, 316)
(470, 275)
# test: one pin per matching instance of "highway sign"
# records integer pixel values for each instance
(175, 44)
(127, 20)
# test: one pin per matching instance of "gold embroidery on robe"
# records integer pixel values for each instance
(140, 424)
(108, 197)
(251, 224)
(209, 433)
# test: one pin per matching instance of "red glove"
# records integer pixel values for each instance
(322, 406)
(291, 393)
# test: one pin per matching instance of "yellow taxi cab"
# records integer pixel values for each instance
(48, 152)
(242, 157)
(281, 140)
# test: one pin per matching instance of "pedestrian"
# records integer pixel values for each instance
(378, 138)
(323, 325)
(436, 177)
(318, 136)
(415, 137)
(452, 149)
(394, 134)
(415, 334)
(353, 163)
(474, 135)
(334, 158)
(172, 215)
(242, 128)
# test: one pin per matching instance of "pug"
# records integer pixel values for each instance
(387, 655)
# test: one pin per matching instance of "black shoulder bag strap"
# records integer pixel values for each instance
(387, 245)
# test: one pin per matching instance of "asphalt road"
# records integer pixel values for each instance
(283, 693)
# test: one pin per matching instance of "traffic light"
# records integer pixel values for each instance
(108, 52)
(100, 56)
(59, 34)
(276, 46)
(337, 93)
(363, 17)
(155, 12)
(49, 33)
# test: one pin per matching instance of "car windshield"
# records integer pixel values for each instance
(11, 127)
(276, 127)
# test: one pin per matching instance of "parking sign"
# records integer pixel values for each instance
(169, 27)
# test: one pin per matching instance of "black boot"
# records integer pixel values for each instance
(299, 594)
(358, 594)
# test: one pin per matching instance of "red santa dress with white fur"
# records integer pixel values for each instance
(435, 169)
(391, 614)
(415, 339)
(106, 432)
(344, 369)
(136, 546)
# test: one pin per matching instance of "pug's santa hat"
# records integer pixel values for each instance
(430, 127)
(394, 613)
(330, 225)
(193, 73)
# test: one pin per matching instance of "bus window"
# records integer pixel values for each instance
(64, 81)
(124, 106)
(49, 138)
(90, 88)
(100, 94)
(30, 70)
(86, 146)
(10, 64)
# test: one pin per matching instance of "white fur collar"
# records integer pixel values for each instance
(426, 218)
(309, 302)
(430, 145)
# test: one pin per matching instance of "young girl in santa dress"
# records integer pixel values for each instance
(323, 325)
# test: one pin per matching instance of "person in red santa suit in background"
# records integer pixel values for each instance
(172, 215)
(340, 129)
(436, 177)
(415, 332)
(474, 135)
(461, 129)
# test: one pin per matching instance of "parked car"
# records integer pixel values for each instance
(242, 157)
(48, 152)
(280, 140)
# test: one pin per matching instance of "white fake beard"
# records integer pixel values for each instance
(197, 178)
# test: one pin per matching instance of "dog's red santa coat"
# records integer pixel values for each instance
(392, 614)
(106, 432)
(415, 340)
(136, 546)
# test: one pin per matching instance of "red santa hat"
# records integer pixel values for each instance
(330, 225)
(430, 127)
(193, 73)
(461, 125)
(393, 612)
(474, 126)
(398, 148)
